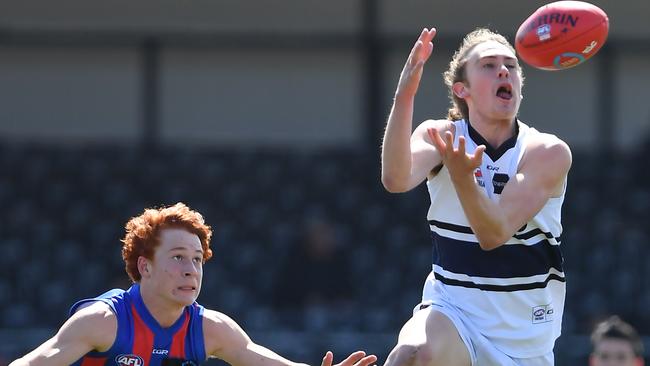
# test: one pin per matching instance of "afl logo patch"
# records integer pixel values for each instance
(543, 314)
(129, 360)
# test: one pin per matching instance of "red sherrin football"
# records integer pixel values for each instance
(561, 35)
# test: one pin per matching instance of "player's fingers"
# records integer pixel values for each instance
(414, 57)
(437, 140)
(427, 50)
(449, 141)
(461, 145)
(478, 154)
(422, 39)
(327, 360)
(353, 358)
(423, 47)
(427, 44)
(368, 360)
(431, 34)
(424, 35)
(431, 133)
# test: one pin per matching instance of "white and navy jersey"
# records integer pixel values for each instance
(514, 294)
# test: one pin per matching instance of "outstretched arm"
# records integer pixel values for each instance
(542, 175)
(92, 328)
(226, 340)
(406, 160)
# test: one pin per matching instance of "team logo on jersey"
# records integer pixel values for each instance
(129, 360)
(479, 177)
(499, 181)
(543, 314)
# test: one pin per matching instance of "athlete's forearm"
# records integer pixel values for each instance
(257, 355)
(40, 360)
(396, 147)
(54, 352)
(485, 216)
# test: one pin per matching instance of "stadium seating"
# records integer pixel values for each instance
(64, 210)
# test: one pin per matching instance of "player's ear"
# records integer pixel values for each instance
(459, 89)
(143, 266)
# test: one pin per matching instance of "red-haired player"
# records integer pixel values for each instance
(157, 321)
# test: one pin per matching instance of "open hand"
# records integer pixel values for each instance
(457, 161)
(409, 80)
(358, 358)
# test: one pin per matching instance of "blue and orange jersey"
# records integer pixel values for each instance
(141, 341)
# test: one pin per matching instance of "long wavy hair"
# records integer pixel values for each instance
(457, 71)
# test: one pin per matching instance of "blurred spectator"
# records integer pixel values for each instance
(616, 343)
(317, 273)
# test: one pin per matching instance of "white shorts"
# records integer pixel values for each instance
(482, 352)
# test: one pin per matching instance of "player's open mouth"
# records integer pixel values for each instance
(505, 92)
(187, 288)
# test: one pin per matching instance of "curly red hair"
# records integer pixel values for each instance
(142, 233)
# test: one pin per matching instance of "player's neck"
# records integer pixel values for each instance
(165, 312)
(494, 131)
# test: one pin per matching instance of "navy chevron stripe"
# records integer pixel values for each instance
(506, 261)
(499, 288)
(468, 230)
